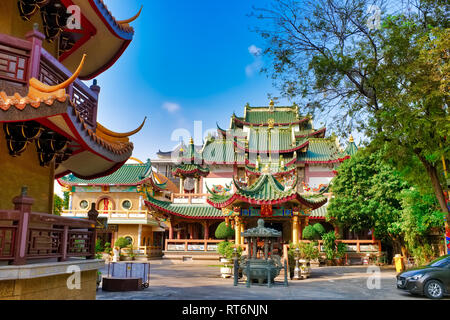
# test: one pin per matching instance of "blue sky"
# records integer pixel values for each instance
(189, 61)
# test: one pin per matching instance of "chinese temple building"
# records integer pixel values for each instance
(49, 129)
(271, 162)
(119, 201)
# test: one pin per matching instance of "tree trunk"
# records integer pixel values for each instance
(437, 187)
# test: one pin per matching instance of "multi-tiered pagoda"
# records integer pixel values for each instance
(270, 163)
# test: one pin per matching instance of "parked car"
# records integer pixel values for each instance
(432, 280)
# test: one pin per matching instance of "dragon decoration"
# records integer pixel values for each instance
(322, 188)
(222, 190)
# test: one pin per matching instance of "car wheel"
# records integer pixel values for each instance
(434, 289)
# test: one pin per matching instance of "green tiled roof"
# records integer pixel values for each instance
(222, 151)
(274, 139)
(189, 154)
(265, 189)
(351, 149)
(319, 213)
(261, 115)
(191, 168)
(185, 210)
(128, 174)
(320, 149)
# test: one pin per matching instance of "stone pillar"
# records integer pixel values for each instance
(196, 185)
(181, 185)
(70, 200)
(139, 235)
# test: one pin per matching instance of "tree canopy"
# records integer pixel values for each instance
(388, 81)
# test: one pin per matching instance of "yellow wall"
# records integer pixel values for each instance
(117, 197)
(129, 230)
(49, 288)
(12, 24)
(24, 170)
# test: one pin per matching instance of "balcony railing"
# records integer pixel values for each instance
(110, 214)
(189, 198)
(21, 60)
(27, 235)
(149, 251)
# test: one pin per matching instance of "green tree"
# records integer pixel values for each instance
(366, 193)
(391, 82)
(58, 204)
(223, 231)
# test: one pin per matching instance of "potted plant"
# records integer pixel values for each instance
(225, 232)
(308, 252)
(129, 254)
(121, 243)
(314, 232)
(226, 250)
(341, 250)
(329, 246)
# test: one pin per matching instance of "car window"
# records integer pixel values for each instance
(442, 262)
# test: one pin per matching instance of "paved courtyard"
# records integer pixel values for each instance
(202, 282)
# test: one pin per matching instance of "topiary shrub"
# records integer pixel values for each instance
(121, 243)
(309, 233)
(319, 228)
(224, 232)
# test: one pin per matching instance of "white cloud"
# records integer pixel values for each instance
(171, 107)
(254, 50)
(257, 63)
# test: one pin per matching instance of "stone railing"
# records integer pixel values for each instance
(27, 235)
(189, 198)
(191, 245)
(353, 246)
(21, 60)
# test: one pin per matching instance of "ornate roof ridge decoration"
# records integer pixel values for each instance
(265, 191)
(39, 93)
(193, 211)
(311, 134)
(267, 124)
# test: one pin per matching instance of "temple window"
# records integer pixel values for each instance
(84, 204)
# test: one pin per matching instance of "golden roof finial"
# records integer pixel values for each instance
(351, 139)
(191, 141)
(132, 18)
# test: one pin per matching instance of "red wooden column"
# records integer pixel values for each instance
(170, 231)
(206, 228)
(23, 204)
